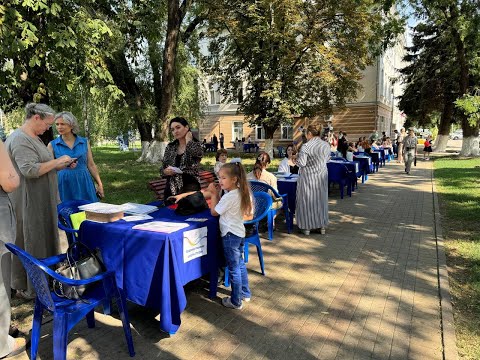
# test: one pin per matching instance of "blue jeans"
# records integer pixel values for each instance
(233, 246)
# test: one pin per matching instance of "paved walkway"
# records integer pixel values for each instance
(369, 288)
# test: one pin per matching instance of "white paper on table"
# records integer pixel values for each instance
(175, 169)
(194, 243)
(137, 217)
(133, 208)
(161, 226)
(101, 208)
(197, 219)
(288, 180)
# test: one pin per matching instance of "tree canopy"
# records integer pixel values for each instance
(298, 58)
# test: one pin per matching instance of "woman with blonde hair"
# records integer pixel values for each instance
(312, 187)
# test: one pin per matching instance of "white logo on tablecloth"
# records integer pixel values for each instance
(194, 243)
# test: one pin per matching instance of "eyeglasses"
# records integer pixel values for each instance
(48, 125)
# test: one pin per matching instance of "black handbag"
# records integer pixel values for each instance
(81, 263)
(191, 204)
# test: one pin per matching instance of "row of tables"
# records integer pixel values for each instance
(152, 267)
(362, 165)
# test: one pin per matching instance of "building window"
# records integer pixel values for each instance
(237, 130)
(215, 96)
(259, 133)
(286, 132)
(240, 95)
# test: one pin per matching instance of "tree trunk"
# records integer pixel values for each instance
(176, 15)
(174, 22)
(269, 131)
(470, 146)
(445, 120)
(125, 81)
(441, 143)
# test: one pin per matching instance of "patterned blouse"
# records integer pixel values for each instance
(189, 162)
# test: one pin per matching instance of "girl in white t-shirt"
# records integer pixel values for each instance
(233, 208)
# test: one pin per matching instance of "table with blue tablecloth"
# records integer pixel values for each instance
(354, 170)
(288, 185)
(366, 166)
(150, 266)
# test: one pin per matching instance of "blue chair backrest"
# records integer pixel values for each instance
(260, 186)
(336, 172)
(36, 272)
(262, 204)
(281, 152)
(67, 208)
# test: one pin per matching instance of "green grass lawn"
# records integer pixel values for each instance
(125, 180)
(458, 185)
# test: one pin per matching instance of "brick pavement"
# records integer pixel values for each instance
(366, 289)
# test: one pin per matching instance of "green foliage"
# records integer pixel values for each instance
(445, 56)
(470, 105)
(46, 47)
(296, 57)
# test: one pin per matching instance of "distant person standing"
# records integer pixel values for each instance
(409, 150)
(394, 143)
(312, 188)
(427, 148)
(215, 142)
(222, 141)
(400, 139)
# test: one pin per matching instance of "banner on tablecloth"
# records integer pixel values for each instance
(194, 243)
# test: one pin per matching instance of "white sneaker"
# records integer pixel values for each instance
(306, 232)
(227, 302)
(322, 231)
(246, 299)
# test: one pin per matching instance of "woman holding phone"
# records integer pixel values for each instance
(75, 181)
(181, 160)
(36, 198)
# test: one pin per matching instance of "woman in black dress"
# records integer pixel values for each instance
(185, 154)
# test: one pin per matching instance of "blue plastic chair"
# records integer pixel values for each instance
(67, 313)
(338, 173)
(260, 186)
(64, 210)
(281, 151)
(262, 204)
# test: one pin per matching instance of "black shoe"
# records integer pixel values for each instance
(13, 331)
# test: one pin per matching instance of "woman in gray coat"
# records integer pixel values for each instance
(9, 181)
(35, 201)
(312, 188)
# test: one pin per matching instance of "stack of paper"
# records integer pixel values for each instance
(138, 209)
(161, 226)
(101, 208)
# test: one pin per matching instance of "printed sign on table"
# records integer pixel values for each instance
(194, 243)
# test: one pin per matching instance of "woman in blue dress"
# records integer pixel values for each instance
(75, 182)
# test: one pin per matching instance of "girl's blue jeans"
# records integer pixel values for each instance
(233, 246)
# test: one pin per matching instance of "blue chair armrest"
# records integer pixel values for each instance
(91, 280)
(67, 229)
(52, 260)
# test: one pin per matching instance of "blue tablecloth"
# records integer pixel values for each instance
(366, 165)
(288, 186)
(149, 266)
(249, 147)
